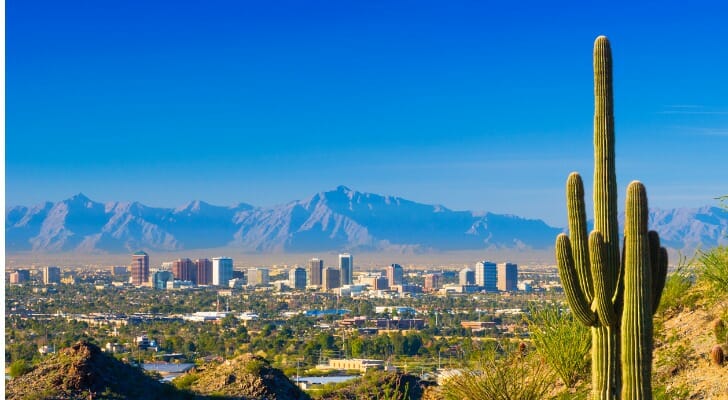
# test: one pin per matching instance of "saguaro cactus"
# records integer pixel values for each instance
(645, 268)
(592, 272)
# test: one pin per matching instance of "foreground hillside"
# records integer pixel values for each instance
(83, 372)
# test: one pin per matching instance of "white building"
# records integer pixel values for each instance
(222, 271)
(258, 276)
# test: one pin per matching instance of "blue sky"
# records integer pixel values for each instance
(473, 105)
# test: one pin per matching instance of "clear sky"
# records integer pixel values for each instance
(470, 104)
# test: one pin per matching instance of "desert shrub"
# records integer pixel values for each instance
(675, 358)
(18, 368)
(663, 392)
(676, 293)
(720, 330)
(186, 381)
(714, 269)
(562, 341)
(502, 374)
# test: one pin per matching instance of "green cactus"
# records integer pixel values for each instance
(645, 268)
(591, 270)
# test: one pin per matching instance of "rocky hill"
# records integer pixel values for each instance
(83, 371)
(335, 220)
(381, 385)
(246, 377)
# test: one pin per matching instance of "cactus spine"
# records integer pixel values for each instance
(592, 272)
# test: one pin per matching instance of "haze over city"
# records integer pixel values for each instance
(475, 106)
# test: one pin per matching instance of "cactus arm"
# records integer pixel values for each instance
(659, 274)
(576, 211)
(636, 338)
(602, 298)
(605, 176)
(570, 281)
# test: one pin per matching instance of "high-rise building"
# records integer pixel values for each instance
(184, 270)
(160, 279)
(346, 266)
(139, 268)
(507, 277)
(258, 276)
(51, 275)
(222, 270)
(467, 277)
(432, 282)
(204, 271)
(315, 271)
(331, 278)
(20, 276)
(381, 283)
(119, 270)
(297, 278)
(395, 274)
(486, 276)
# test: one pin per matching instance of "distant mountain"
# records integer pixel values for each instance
(336, 220)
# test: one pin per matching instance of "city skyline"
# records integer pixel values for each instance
(439, 105)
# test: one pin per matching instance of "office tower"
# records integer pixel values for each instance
(160, 279)
(315, 269)
(139, 268)
(119, 270)
(20, 276)
(395, 274)
(507, 277)
(486, 276)
(204, 271)
(432, 282)
(381, 283)
(51, 275)
(467, 277)
(222, 270)
(184, 270)
(258, 276)
(346, 266)
(297, 278)
(331, 278)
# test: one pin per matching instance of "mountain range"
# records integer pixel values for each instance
(336, 220)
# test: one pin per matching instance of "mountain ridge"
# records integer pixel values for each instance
(341, 219)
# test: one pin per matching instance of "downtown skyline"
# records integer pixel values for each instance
(472, 106)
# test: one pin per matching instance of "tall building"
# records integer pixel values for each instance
(331, 278)
(486, 276)
(315, 271)
(20, 276)
(204, 271)
(432, 282)
(184, 270)
(395, 274)
(297, 278)
(381, 283)
(507, 277)
(160, 279)
(222, 270)
(346, 266)
(139, 268)
(51, 275)
(467, 277)
(258, 276)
